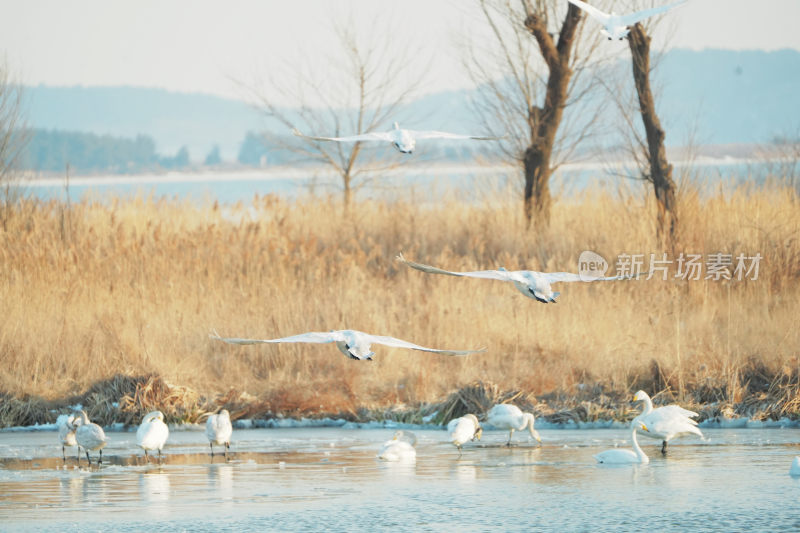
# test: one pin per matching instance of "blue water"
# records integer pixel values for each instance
(413, 183)
(314, 479)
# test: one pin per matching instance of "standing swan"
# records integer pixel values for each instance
(511, 417)
(152, 433)
(621, 457)
(666, 422)
(66, 434)
(400, 448)
(219, 430)
(464, 429)
(90, 436)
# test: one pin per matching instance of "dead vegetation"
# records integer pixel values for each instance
(114, 309)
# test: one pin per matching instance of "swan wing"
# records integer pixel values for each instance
(399, 343)
(312, 337)
(373, 136)
(500, 275)
(554, 277)
(447, 135)
(591, 11)
(633, 18)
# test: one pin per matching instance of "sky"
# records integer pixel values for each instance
(217, 47)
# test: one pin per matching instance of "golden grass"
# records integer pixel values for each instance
(133, 288)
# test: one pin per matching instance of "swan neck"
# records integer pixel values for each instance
(528, 423)
(639, 453)
(648, 405)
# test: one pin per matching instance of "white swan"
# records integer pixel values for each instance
(618, 456)
(89, 436)
(511, 417)
(794, 470)
(400, 448)
(463, 429)
(152, 433)
(402, 139)
(353, 344)
(666, 423)
(66, 434)
(219, 430)
(616, 26)
(532, 284)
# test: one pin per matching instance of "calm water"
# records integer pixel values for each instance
(415, 183)
(316, 479)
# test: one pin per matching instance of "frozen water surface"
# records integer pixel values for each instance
(328, 479)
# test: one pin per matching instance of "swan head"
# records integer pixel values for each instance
(405, 436)
(154, 415)
(80, 417)
(224, 413)
(641, 396)
(641, 425)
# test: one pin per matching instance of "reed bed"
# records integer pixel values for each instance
(129, 290)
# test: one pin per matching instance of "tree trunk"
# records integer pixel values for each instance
(660, 169)
(544, 121)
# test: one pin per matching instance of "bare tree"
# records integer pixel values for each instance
(527, 82)
(660, 170)
(13, 137)
(367, 83)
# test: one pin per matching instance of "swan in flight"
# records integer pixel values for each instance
(400, 448)
(666, 423)
(219, 430)
(402, 139)
(463, 429)
(89, 436)
(353, 344)
(616, 26)
(66, 434)
(152, 433)
(532, 284)
(618, 456)
(511, 417)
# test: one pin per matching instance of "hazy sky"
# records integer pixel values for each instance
(201, 45)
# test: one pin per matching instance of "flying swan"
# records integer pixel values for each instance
(620, 457)
(616, 26)
(666, 423)
(532, 284)
(353, 344)
(89, 436)
(400, 448)
(152, 433)
(219, 431)
(402, 139)
(511, 417)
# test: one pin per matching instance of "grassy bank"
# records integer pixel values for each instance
(99, 293)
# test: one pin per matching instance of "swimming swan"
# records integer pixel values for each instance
(511, 417)
(404, 140)
(463, 429)
(532, 284)
(400, 448)
(152, 433)
(794, 470)
(66, 434)
(353, 344)
(666, 423)
(219, 430)
(616, 26)
(89, 436)
(618, 456)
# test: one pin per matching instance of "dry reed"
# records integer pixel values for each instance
(131, 288)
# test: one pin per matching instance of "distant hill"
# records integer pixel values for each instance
(725, 96)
